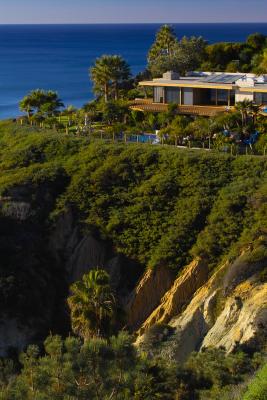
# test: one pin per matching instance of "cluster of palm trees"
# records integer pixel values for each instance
(107, 74)
(41, 103)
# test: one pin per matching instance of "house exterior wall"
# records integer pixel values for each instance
(205, 96)
(241, 95)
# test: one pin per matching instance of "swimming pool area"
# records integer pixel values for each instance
(146, 138)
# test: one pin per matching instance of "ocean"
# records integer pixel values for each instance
(58, 57)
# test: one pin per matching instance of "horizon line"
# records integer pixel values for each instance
(131, 23)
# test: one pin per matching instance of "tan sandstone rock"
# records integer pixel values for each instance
(180, 294)
(147, 295)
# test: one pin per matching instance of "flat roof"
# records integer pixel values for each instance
(196, 82)
(187, 82)
(259, 87)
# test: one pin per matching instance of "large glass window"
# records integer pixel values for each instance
(222, 97)
(232, 97)
(213, 96)
(188, 96)
(172, 95)
(264, 98)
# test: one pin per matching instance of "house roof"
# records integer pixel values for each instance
(192, 83)
(245, 82)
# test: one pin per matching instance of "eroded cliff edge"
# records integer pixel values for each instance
(229, 309)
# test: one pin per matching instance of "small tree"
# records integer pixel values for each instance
(92, 304)
(178, 127)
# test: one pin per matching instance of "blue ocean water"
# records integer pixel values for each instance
(58, 57)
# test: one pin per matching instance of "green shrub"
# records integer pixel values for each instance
(257, 389)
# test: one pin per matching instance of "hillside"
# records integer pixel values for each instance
(183, 235)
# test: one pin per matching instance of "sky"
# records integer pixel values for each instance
(127, 11)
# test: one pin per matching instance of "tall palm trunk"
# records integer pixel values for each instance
(244, 118)
(116, 90)
(106, 92)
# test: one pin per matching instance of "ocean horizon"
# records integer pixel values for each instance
(58, 56)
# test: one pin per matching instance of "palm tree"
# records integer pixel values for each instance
(254, 111)
(92, 304)
(120, 72)
(107, 71)
(101, 75)
(26, 105)
(244, 107)
(52, 103)
(42, 102)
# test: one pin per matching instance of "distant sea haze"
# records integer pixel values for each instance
(58, 57)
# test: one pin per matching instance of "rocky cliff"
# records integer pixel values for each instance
(178, 296)
(227, 310)
(147, 295)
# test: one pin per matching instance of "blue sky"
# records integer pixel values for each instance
(96, 11)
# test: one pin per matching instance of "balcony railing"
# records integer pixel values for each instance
(205, 110)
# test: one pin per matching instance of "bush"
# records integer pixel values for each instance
(257, 389)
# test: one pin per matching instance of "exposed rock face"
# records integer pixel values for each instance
(229, 309)
(80, 252)
(243, 320)
(180, 294)
(88, 254)
(147, 295)
(64, 237)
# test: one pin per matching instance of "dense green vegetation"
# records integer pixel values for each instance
(169, 53)
(257, 389)
(155, 206)
(145, 199)
(113, 369)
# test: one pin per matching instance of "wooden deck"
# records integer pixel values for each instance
(148, 105)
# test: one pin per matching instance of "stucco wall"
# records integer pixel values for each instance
(241, 96)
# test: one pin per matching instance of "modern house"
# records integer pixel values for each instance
(203, 93)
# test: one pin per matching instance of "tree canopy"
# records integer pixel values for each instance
(44, 103)
(107, 74)
(169, 54)
(92, 304)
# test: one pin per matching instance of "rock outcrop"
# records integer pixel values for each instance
(79, 252)
(180, 294)
(147, 295)
(229, 309)
(243, 320)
